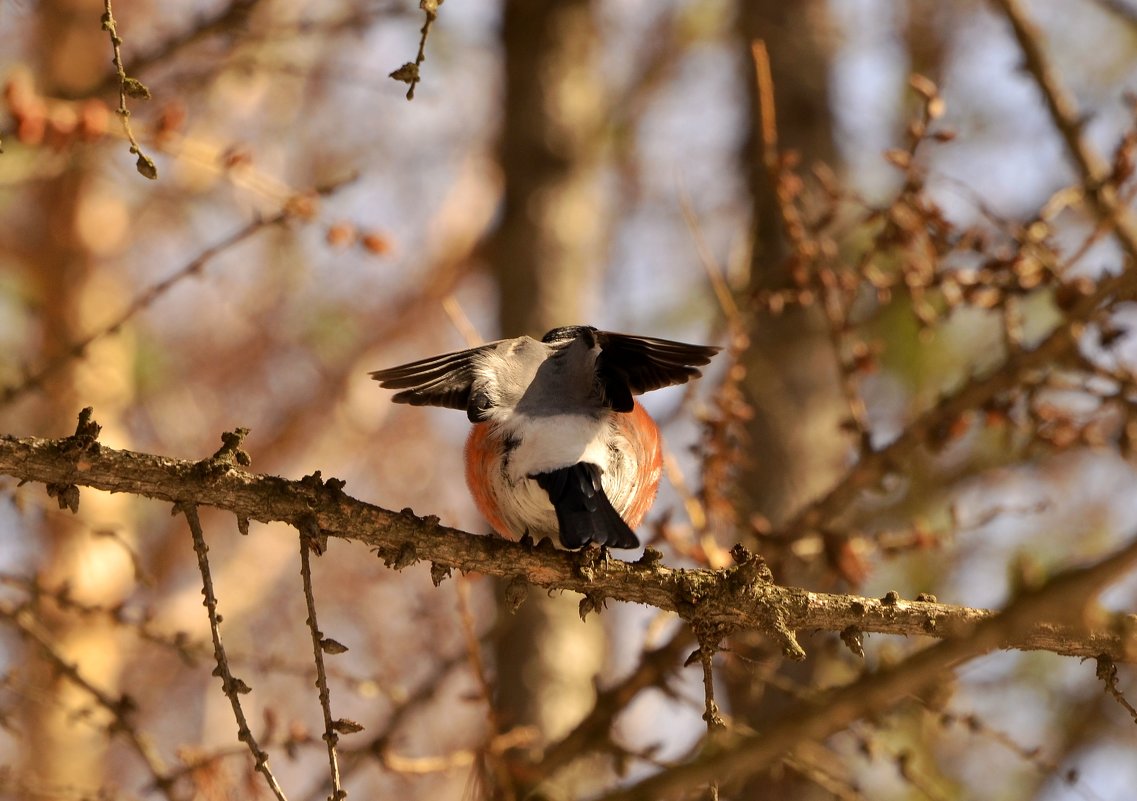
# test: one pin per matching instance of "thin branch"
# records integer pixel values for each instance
(1093, 169)
(594, 732)
(1107, 672)
(155, 292)
(706, 656)
(738, 597)
(127, 86)
(120, 708)
(232, 686)
(410, 72)
(140, 302)
(227, 19)
(320, 645)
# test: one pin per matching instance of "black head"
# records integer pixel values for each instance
(567, 333)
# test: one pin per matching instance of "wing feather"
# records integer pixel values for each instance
(631, 365)
(444, 380)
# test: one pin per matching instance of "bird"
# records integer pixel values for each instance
(559, 446)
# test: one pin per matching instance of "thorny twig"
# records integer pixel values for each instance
(320, 646)
(410, 73)
(232, 686)
(128, 86)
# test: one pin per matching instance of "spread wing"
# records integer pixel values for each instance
(631, 365)
(444, 380)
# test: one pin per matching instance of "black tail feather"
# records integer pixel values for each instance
(584, 513)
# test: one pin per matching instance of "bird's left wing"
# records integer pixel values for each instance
(631, 365)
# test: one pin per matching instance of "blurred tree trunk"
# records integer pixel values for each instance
(792, 380)
(545, 253)
(795, 446)
(63, 224)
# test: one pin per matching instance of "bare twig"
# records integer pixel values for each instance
(706, 656)
(232, 686)
(410, 72)
(147, 298)
(766, 109)
(140, 302)
(224, 20)
(128, 86)
(319, 647)
(1093, 169)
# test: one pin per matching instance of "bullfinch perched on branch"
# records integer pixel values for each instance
(559, 446)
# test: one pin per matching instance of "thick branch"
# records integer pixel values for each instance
(737, 597)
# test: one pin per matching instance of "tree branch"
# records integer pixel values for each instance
(1067, 594)
(1100, 191)
(740, 597)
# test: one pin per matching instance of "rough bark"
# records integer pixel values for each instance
(741, 597)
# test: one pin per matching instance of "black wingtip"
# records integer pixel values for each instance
(584, 513)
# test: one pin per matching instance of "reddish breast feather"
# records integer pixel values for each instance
(483, 469)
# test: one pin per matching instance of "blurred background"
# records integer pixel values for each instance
(561, 162)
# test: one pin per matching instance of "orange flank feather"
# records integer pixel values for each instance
(643, 435)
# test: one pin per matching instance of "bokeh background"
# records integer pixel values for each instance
(561, 162)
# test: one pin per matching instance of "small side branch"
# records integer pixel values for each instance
(1107, 672)
(1092, 168)
(706, 656)
(127, 86)
(232, 686)
(410, 73)
(319, 647)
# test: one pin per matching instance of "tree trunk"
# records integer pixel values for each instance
(545, 254)
(795, 446)
(61, 749)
